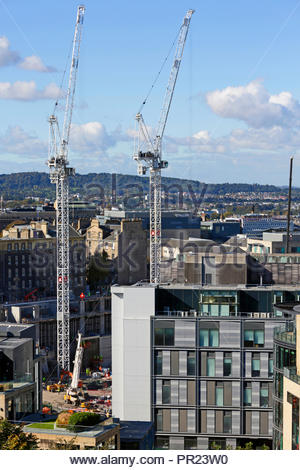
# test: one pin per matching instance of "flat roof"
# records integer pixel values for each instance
(94, 432)
(271, 288)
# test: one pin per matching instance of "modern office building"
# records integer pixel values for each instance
(286, 426)
(198, 361)
(20, 378)
(255, 224)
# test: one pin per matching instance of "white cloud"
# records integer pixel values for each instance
(16, 141)
(91, 137)
(10, 57)
(27, 91)
(35, 63)
(7, 56)
(254, 105)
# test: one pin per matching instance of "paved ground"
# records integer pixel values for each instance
(56, 399)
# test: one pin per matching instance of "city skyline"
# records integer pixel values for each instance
(236, 110)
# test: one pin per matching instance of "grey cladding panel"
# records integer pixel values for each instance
(176, 442)
(182, 363)
(202, 443)
(174, 392)
(269, 332)
(236, 364)
(264, 365)
(166, 362)
(174, 420)
(248, 364)
(236, 394)
(210, 421)
(229, 332)
(182, 392)
(185, 333)
(203, 393)
(191, 421)
(158, 392)
(235, 422)
(255, 422)
(219, 364)
(270, 423)
(255, 394)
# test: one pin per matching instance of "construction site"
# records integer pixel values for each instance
(70, 352)
(91, 391)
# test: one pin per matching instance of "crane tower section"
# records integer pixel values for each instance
(59, 175)
(150, 157)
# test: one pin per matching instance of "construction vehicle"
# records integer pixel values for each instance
(74, 394)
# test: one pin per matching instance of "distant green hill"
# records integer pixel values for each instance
(21, 185)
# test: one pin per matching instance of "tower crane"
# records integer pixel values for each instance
(59, 175)
(151, 157)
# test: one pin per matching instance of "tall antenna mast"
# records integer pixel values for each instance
(287, 243)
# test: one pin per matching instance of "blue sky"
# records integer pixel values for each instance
(235, 115)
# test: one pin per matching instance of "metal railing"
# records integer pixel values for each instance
(286, 334)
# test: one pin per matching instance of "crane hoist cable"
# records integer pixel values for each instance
(159, 72)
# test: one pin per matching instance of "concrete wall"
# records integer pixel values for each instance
(131, 352)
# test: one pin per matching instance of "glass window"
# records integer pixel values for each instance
(271, 368)
(158, 363)
(166, 391)
(211, 367)
(214, 338)
(227, 421)
(159, 420)
(158, 336)
(248, 337)
(209, 337)
(161, 442)
(264, 395)
(169, 336)
(247, 394)
(224, 310)
(214, 310)
(203, 337)
(259, 337)
(255, 365)
(219, 394)
(227, 364)
(253, 338)
(164, 336)
(190, 443)
(191, 363)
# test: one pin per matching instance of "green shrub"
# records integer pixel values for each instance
(80, 421)
(63, 419)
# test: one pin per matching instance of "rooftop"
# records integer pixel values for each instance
(91, 432)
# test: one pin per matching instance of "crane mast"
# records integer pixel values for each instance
(77, 365)
(151, 158)
(59, 175)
